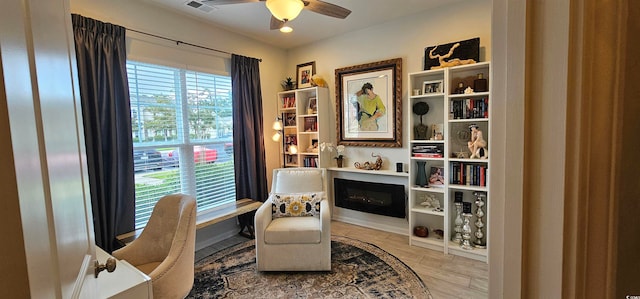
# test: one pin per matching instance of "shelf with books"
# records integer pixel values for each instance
(468, 120)
(469, 106)
(467, 187)
(303, 112)
(452, 119)
(287, 100)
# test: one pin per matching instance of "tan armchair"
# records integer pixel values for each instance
(294, 243)
(165, 249)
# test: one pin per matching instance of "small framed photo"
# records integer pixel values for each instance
(436, 178)
(437, 132)
(312, 107)
(304, 72)
(432, 87)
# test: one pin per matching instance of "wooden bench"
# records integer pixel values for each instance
(215, 215)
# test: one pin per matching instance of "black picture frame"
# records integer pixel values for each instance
(304, 72)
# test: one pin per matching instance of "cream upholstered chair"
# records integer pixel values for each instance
(294, 243)
(165, 249)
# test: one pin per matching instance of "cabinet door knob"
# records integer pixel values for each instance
(110, 266)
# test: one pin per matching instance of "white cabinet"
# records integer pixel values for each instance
(304, 113)
(440, 162)
(126, 282)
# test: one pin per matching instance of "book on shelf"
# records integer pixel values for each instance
(288, 101)
(310, 124)
(310, 162)
(428, 155)
(466, 173)
(289, 119)
(428, 151)
(469, 108)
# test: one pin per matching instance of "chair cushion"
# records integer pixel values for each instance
(296, 204)
(293, 230)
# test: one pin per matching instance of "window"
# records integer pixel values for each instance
(182, 136)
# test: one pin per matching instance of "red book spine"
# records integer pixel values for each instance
(486, 107)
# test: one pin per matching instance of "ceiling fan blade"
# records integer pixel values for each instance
(224, 2)
(326, 9)
(275, 23)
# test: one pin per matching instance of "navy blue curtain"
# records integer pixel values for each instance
(104, 92)
(248, 136)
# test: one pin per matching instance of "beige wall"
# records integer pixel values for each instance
(405, 38)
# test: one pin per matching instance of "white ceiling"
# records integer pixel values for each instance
(252, 19)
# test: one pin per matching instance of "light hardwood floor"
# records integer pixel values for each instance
(446, 276)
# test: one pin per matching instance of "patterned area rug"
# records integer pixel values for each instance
(359, 270)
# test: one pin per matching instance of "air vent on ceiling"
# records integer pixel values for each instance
(200, 6)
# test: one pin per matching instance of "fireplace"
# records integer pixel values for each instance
(376, 198)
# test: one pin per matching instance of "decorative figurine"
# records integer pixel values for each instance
(451, 62)
(468, 89)
(421, 130)
(477, 145)
(431, 201)
(377, 165)
(439, 233)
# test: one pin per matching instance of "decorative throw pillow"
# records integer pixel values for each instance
(296, 204)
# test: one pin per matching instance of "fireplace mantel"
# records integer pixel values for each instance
(373, 172)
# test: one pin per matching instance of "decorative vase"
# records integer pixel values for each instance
(457, 237)
(339, 162)
(421, 176)
(479, 242)
(480, 84)
(421, 231)
(466, 232)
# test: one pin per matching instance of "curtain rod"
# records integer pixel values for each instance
(178, 42)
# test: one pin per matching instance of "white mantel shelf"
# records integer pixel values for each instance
(373, 172)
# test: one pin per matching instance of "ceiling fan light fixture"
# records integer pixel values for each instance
(286, 29)
(285, 9)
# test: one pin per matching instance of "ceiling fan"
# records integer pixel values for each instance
(283, 11)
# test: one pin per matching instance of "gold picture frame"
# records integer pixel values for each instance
(369, 104)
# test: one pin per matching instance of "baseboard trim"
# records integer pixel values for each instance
(368, 224)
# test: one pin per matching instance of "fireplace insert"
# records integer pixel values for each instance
(370, 197)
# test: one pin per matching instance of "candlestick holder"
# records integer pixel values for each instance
(479, 242)
(457, 236)
(466, 232)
